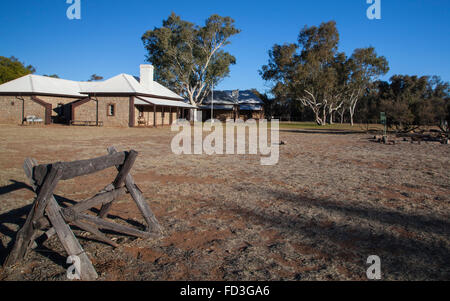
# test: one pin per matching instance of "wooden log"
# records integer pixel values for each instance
(23, 238)
(94, 231)
(99, 199)
(50, 232)
(124, 170)
(28, 167)
(152, 223)
(46, 191)
(136, 194)
(87, 270)
(27, 234)
(106, 225)
(41, 223)
(81, 168)
(69, 241)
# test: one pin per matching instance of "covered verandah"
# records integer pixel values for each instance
(154, 112)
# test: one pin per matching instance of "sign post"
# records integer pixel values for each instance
(383, 122)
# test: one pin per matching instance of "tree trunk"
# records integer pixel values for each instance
(318, 120)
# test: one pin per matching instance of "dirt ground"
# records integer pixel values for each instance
(333, 200)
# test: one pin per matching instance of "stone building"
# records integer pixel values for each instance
(123, 100)
(232, 105)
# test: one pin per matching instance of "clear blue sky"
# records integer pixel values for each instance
(413, 35)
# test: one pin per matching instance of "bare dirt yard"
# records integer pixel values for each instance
(333, 200)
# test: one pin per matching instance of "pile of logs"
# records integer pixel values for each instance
(413, 138)
(384, 139)
(46, 213)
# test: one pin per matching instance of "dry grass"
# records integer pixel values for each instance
(333, 200)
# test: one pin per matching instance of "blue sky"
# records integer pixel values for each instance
(413, 35)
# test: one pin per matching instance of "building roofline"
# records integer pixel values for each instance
(39, 94)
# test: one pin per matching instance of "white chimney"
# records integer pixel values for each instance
(147, 76)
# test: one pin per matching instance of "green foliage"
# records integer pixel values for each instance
(366, 66)
(11, 68)
(269, 103)
(314, 73)
(189, 58)
(409, 102)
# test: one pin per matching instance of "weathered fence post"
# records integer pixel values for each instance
(44, 178)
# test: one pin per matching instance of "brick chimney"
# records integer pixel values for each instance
(146, 77)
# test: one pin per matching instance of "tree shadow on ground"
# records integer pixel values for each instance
(403, 257)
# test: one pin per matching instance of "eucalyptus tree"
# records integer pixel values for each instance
(189, 58)
(336, 98)
(413, 101)
(316, 77)
(313, 72)
(365, 67)
(305, 70)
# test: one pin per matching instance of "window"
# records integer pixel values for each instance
(111, 110)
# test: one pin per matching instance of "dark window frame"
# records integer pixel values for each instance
(108, 111)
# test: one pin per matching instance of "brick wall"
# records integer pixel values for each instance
(85, 112)
(88, 111)
(122, 111)
(60, 114)
(11, 109)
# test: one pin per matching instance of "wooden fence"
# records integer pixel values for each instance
(46, 213)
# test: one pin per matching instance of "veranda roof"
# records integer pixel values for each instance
(161, 102)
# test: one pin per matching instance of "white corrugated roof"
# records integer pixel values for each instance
(122, 83)
(160, 90)
(161, 102)
(125, 83)
(36, 84)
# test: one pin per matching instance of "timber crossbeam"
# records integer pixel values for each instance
(46, 213)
